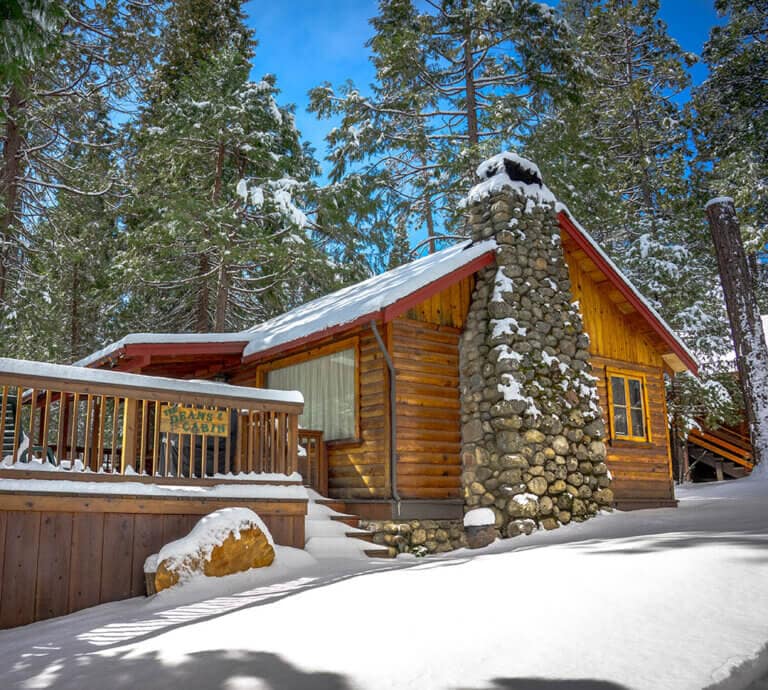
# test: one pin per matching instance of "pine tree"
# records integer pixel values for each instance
(219, 224)
(453, 83)
(72, 60)
(731, 118)
(69, 299)
(620, 160)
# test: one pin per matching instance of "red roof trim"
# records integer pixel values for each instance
(585, 244)
(144, 351)
(386, 314)
(404, 304)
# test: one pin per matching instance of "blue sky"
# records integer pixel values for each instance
(307, 42)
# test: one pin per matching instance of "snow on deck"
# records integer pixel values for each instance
(667, 599)
(120, 487)
(138, 382)
(362, 299)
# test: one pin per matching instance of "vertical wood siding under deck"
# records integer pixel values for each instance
(640, 470)
(56, 561)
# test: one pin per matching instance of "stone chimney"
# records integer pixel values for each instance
(532, 428)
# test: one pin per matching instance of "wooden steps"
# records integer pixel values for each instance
(725, 451)
(356, 533)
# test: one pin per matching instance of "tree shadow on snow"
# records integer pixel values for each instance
(758, 541)
(75, 639)
(551, 684)
(209, 670)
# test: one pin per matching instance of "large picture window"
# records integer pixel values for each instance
(629, 416)
(328, 386)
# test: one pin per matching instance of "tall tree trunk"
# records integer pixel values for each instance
(473, 136)
(746, 325)
(222, 299)
(203, 295)
(428, 211)
(9, 187)
(74, 314)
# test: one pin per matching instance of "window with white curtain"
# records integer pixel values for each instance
(328, 386)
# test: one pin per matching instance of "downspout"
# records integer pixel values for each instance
(392, 417)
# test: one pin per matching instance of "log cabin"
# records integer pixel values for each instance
(387, 396)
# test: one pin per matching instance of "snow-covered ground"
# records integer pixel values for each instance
(652, 599)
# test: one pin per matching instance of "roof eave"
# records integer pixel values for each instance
(676, 347)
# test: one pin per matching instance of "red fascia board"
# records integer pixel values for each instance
(145, 351)
(567, 225)
(169, 349)
(388, 313)
(406, 303)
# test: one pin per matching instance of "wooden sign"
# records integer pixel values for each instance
(176, 419)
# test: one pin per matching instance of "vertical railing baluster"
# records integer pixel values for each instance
(88, 438)
(143, 443)
(156, 440)
(74, 419)
(99, 424)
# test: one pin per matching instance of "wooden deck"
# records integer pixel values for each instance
(120, 485)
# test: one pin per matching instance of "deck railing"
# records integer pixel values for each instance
(313, 464)
(126, 423)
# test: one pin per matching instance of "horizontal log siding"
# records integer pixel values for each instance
(639, 470)
(357, 469)
(426, 358)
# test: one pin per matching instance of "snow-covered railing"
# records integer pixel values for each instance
(127, 424)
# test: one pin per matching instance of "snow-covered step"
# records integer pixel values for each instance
(332, 534)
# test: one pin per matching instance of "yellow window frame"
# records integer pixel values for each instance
(626, 376)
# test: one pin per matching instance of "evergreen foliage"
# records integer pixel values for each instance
(454, 83)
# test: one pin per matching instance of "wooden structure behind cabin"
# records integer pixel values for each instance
(419, 332)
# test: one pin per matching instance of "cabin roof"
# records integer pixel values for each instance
(382, 298)
(679, 357)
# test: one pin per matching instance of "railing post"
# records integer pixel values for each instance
(293, 443)
(128, 458)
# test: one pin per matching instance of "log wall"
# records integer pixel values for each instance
(60, 554)
(357, 468)
(426, 359)
(642, 471)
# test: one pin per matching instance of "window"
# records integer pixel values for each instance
(628, 407)
(328, 386)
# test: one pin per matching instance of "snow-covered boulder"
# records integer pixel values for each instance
(479, 527)
(227, 541)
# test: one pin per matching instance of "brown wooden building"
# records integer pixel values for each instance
(378, 365)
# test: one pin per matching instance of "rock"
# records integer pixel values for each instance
(480, 536)
(534, 436)
(538, 486)
(557, 487)
(560, 445)
(604, 497)
(549, 523)
(508, 441)
(227, 541)
(579, 508)
(472, 431)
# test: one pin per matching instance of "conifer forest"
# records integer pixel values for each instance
(149, 182)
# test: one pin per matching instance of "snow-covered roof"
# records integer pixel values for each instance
(155, 338)
(363, 300)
